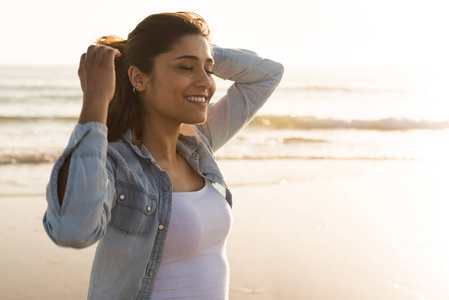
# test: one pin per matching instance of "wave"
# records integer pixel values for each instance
(290, 122)
(60, 90)
(339, 89)
(37, 118)
(38, 88)
(27, 158)
(292, 140)
(39, 97)
(311, 157)
(45, 158)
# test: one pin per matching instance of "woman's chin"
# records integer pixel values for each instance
(196, 120)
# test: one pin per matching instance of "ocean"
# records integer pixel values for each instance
(350, 114)
(348, 165)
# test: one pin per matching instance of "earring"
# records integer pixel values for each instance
(135, 89)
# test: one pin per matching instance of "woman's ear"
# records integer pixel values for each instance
(137, 78)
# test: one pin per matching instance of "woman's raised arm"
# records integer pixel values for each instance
(79, 193)
(255, 80)
(97, 77)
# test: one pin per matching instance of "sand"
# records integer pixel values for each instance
(303, 229)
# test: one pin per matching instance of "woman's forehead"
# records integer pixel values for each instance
(191, 47)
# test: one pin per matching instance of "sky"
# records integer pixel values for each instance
(402, 33)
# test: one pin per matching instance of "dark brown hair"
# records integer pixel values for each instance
(155, 35)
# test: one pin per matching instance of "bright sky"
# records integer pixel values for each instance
(300, 32)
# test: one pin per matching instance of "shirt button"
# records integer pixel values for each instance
(121, 197)
(194, 154)
(148, 208)
(150, 272)
(161, 227)
(165, 189)
(204, 173)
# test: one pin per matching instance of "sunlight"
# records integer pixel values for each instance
(438, 92)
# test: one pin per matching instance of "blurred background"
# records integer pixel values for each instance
(340, 182)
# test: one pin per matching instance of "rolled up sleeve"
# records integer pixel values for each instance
(255, 79)
(82, 218)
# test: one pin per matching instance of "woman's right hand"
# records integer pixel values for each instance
(97, 77)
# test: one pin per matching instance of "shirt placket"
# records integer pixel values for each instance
(165, 192)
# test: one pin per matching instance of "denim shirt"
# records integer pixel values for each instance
(118, 195)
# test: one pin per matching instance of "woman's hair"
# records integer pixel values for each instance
(155, 35)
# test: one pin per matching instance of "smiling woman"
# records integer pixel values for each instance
(181, 77)
(139, 174)
(154, 36)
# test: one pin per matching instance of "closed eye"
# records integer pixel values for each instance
(209, 72)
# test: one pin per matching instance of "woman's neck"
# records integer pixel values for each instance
(161, 138)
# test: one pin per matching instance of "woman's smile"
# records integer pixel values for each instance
(197, 100)
(182, 75)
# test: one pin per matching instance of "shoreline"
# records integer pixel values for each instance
(302, 230)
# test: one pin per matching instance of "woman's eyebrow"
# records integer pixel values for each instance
(193, 57)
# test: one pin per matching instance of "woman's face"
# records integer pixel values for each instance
(181, 84)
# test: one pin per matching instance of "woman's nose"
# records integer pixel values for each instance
(204, 80)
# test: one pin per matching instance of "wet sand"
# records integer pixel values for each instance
(302, 230)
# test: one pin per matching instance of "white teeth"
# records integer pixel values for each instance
(196, 99)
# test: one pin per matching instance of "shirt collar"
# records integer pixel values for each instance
(187, 144)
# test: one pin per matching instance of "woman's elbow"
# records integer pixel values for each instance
(278, 71)
(68, 236)
(274, 72)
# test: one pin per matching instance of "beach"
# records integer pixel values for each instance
(303, 229)
(339, 187)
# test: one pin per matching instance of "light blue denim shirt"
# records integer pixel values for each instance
(118, 195)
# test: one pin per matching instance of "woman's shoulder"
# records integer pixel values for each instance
(195, 132)
(119, 152)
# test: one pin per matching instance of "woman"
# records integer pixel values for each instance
(139, 174)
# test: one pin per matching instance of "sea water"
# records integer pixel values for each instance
(377, 113)
(358, 155)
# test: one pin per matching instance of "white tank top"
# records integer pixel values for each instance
(194, 263)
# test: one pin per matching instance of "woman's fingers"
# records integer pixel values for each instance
(109, 54)
(82, 58)
(97, 73)
(90, 53)
(97, 55)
